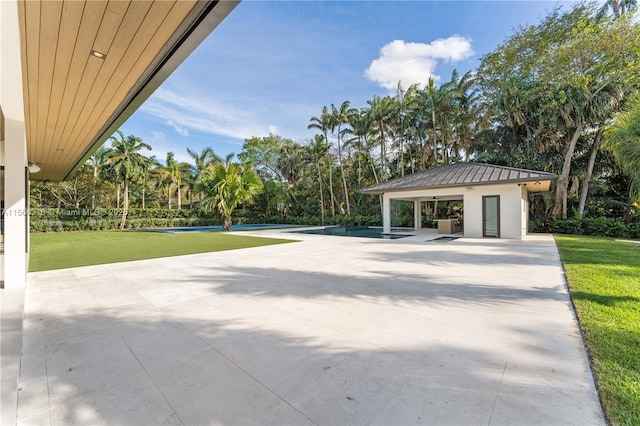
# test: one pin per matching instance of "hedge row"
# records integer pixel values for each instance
(598, 226)
(54, 220)
(359, 220)
(39, 225)
(111, 213)
(58, 220)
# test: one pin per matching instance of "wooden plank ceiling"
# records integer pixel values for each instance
(71, 95)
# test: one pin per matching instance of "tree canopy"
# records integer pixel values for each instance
(549, 97)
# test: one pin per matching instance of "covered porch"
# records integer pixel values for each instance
(494, 198)
(428, 215)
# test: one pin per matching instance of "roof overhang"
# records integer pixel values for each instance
(459, 176)
(88, 65)
(533, 185)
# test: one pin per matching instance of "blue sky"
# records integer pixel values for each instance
(271, 65)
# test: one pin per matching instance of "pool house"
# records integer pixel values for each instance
(494, 198)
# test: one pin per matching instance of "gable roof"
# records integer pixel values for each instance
(459, 174)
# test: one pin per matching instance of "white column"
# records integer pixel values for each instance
(15, 155)
(417, 216)
(386, 214)
(15, 214)
(14, 260)
(525, 212)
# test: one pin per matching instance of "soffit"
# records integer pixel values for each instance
(72, 99)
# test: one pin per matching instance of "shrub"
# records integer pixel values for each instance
(58, 220)
(605, 227)
(598, 226)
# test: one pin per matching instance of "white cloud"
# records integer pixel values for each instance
(415, 62)
(203, 114)
(178, 128)
(158, 136)
(273, 129)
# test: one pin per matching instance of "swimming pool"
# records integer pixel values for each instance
(353, 231)
(214, 228)
(445, 239)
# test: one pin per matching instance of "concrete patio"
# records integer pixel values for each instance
(327, 330)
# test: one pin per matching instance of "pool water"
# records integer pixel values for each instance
(180, 230)
(442, 239)
(353, 231)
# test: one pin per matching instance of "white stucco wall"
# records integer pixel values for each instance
(15, 155)
(513, 207)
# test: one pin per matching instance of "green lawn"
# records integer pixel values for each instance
(59, 250)
(604, 280)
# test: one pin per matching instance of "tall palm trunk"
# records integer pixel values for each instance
(93, 191)
(382, 152)
(627, 212)
(589, 172)
(359, 170)
(344, 181)
(333, 198)
(227, 223)
(375, 176)
(435, 137)
(179, 196)
(321, 192)
(411, 162)
(125, 203)
(560, 208)
(333, 208)
(401, 157)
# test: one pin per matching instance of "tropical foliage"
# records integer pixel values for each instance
(550, 98)
(225, 186)
(622, 138)
(126, 164)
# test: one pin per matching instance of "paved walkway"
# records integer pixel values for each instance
(329, 330)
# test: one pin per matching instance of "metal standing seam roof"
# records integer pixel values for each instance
(459, 174)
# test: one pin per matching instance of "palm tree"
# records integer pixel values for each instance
(200, 162)
(226, 186)
(203, 159)
(583, 107)
(171, 168)
(404, 102)
(182, 182)
(622, 138)
(291, 165)
(589, 172)
(361, 122)
(317, 151)
(618, 7)
(439, 103)
(178, 172)
(145, 169)
(97, 160)
(466, 114)
(339, 116)
(291, 161)
(127, 163)
(361, 126)
(323, 123)
(381, 110)
(163, 182)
